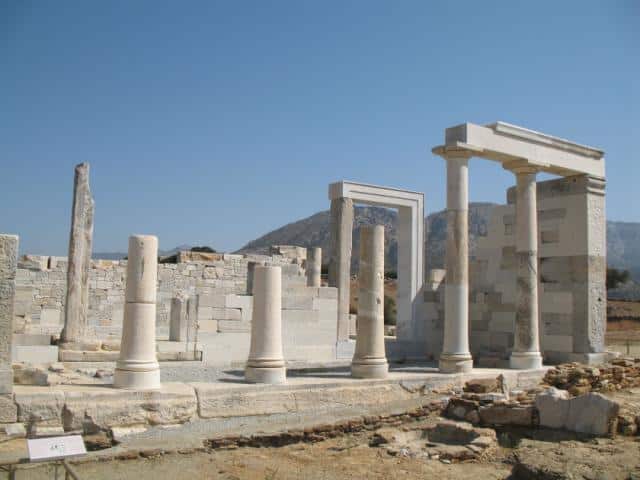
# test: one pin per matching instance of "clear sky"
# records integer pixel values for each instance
(214, 122)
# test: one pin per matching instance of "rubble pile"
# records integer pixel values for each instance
(577, 379)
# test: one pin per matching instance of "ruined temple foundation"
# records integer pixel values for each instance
(369, 360)
(138, 366)
(455, 355)
(266, 360)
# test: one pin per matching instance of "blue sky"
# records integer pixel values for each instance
(215, 122)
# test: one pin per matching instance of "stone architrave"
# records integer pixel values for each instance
(74, 333)
(138, 367)
(526, 348)
(369, 359)
(8, 265)
(341, 231)
(266, 361)
(314, 266)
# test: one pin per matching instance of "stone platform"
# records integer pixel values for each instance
(194, 411)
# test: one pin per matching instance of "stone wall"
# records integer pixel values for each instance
(572, 268)
(41, 286)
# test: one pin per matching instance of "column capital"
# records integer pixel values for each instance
(521, 166)
(457, 151)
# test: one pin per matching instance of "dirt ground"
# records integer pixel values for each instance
(519, 454)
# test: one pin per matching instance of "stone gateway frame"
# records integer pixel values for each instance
(410, 205)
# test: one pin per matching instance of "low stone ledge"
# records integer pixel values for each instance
(90, 409)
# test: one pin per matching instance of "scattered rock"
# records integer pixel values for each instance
(56, 367)
(592, 413)
(553, 407)
(15, 430)
(482, 385)
(507, 414)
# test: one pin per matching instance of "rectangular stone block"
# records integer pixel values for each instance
(328, 292)
(233, 326)
(217, 301)
(298, 303)
(557, 343)
(502, 322)
(557, 302)
(550, 236)
(8, 409)
(208, 326)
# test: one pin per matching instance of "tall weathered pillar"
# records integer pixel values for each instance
(138, 367)
(455, 355)
(8, 265)
(314, 267)
(266, 361)
(74, 333)
(341, 226)
(181, 319)
(526, 348)
(369, 359)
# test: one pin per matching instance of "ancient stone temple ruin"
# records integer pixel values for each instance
(533, 292)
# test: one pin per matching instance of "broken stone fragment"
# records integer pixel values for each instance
(504, 414)
(482, 385)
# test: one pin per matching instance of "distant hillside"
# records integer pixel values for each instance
(623, 238)
(121, 255)
(313, 231)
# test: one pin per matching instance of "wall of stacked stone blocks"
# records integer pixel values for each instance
(572, 263)
(220, 281)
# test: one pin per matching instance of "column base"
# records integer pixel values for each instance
(271, 375)
(370, 370)
(455, 363)
(525, 360)
(137, 378)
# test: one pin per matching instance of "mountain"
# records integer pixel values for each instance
(121, 255)
(623, 238)
(313, 231)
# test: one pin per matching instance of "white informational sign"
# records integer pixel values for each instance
(52, 448)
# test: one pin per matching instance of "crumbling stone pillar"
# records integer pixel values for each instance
(314, 266)
(138, 367)
(455, 355)
(526, 348)
(341, 226)
(369, 359)
(181, 319)
(266, 361)
(74, 333)
(8, 265)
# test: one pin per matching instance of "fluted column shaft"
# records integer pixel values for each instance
(455, 355)
(526, 347)
(369, 360)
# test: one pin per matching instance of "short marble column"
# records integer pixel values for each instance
(341, 226)
(266, 361)
(526, 347)
(314, 266)
(455, 355)
(138, 366)
(74, 333)
(8, 265)
(369, 359)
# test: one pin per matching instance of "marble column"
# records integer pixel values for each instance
(138, 367)
(455, 355)
(341, 226)
(526, 347)
(266, 361)
(314, 266)
(74, 333)
(369, 359)
(8, 265)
